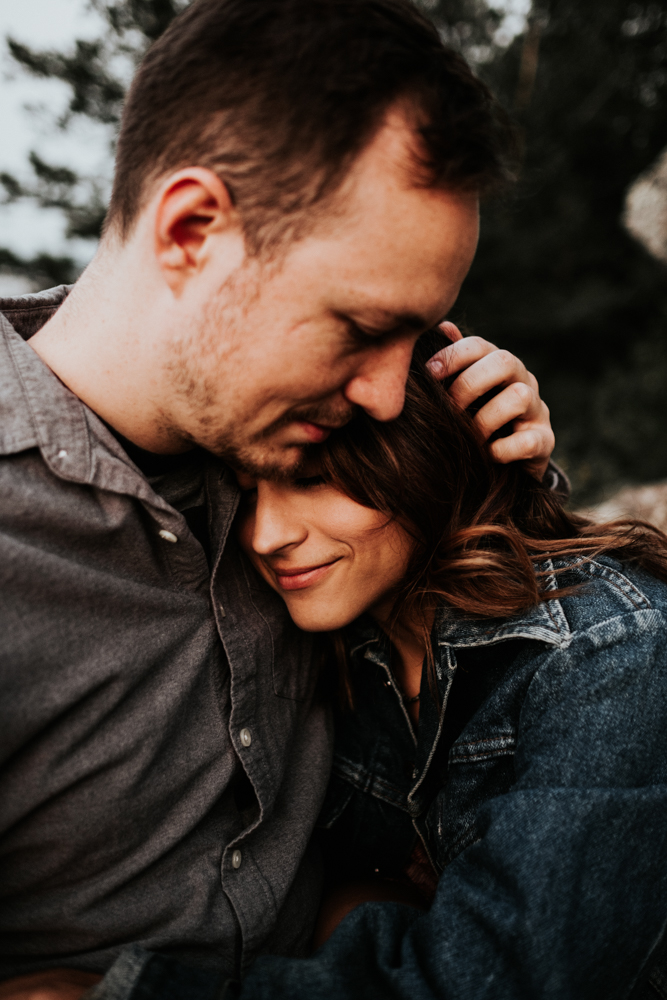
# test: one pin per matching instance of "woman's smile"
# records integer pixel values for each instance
(302, 577)
(297, 533)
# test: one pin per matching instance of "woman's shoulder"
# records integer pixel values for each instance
(588, 594)
(604, 588)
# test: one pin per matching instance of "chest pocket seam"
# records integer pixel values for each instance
(370, 784)
(499, 746)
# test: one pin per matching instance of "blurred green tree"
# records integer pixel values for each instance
(96, 73)
(557, 279)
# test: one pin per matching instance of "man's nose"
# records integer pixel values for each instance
(276, 525)
(379, 386)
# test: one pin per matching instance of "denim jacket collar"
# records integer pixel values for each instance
(544, 622)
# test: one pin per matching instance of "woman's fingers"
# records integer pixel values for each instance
(517, 401)
(459, 355)
(531, 445)
(495, 369)
(483, 368)
(532, 439)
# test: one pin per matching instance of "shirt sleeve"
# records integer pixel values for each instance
(564, 895)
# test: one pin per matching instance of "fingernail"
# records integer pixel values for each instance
(436, 366)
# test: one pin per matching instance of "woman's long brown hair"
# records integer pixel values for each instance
(480, 528)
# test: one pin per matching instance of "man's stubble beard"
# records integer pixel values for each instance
(189, 375)
(257, 458)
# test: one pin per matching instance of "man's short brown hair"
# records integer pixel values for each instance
(278, 97)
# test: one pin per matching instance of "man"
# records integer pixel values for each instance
(295, 201)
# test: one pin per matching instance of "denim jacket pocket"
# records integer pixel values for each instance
(478, 770)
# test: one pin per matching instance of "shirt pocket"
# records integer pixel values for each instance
(478, 771)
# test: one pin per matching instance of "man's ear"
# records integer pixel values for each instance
(193, 207)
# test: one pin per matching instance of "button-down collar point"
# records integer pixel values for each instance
(168, 536)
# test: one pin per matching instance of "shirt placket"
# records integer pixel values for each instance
(240, 876)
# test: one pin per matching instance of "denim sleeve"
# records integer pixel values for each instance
(565, 893)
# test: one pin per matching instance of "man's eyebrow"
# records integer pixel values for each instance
(409, 320)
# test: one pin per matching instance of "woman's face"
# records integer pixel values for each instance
(328, 557)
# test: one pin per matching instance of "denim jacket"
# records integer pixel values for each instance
(539, 789)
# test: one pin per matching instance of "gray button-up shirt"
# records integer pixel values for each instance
(138, 691)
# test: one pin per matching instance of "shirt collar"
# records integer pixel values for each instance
(38, 411)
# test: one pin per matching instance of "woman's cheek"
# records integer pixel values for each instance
(244, 531)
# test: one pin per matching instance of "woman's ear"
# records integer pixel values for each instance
(194, 211)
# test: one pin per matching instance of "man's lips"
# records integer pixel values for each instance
(316, 433)
(303, 576)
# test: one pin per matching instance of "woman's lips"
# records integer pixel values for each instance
(298, 579)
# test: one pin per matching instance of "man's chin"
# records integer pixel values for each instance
(261, 462)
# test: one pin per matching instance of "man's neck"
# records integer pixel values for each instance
(96, 346)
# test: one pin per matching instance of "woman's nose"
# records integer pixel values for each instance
(277, 525)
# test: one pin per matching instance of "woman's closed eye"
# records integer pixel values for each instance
(308, 482)
(249, 497)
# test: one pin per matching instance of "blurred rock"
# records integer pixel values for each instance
(647, 503)
(645, 214)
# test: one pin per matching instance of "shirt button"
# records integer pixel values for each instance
(237, 858)
(168, 536)
(246, 738)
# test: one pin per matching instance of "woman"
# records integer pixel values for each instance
(502, 716)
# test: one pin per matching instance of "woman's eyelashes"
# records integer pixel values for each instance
(307, 482)
(249, 497)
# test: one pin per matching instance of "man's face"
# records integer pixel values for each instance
(284, 352)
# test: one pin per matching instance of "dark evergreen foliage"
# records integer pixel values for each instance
(557, 279)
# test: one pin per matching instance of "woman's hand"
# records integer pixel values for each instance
(338, 903)
(484, 367)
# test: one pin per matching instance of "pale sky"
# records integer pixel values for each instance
(24, 228)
